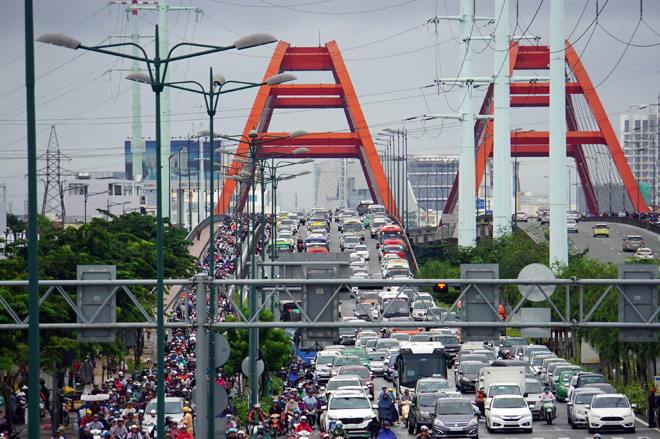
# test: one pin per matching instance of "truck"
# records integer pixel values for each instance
(503, 381)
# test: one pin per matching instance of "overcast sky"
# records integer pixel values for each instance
(392, 56)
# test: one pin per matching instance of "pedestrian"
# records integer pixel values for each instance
(198, 232)
(45, 394)
(653, 407)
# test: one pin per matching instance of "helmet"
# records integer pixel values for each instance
(257, 406)
(89, 412)
(186, 409)
(424, 428)
(386, 424)
(303, 418)
(339, 424)
(107, 433)
(153, 412)
(134, 426)
(597, 436)
(241, 432)
(232, 430)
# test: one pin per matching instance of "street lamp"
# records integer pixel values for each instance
(157, 68)
(253, 158)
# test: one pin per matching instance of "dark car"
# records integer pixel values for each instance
(467, 380)
(455, 417)
(422, 411)
(362, 372)
(589, 378)
(450, 342)
(347, 336)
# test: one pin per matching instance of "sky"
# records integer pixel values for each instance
(392, 53)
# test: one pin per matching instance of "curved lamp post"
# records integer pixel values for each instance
(157, 72)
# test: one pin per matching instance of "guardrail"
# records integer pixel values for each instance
(410, 253)
(623, 220)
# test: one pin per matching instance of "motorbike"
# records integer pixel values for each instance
(310, 412)
(405, 407)
(303, 435)
(548, 411)
(21, 408)
(275, 424)
(96, 433)
(300, 247)
(293, 420)
(64, 411)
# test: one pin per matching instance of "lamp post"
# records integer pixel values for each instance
(109, 206)
(179, 191)
(157, 68)
(211, 97)
(87, 195)
(255, 153)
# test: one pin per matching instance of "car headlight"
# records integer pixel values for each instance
(423, 413)
(595, 415)
(473, 422)
(438, 423)
(631, 413)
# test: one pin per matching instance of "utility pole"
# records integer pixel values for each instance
(502, 120)
(558, 232)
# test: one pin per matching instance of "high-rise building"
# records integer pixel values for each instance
(639, 139)
(431, 179)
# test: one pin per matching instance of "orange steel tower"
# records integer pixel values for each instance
(355, 143)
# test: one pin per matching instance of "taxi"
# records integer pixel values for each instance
(601, 230)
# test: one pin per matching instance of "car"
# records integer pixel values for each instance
(422, 411)
(562, 383)
(603, 387)
(377, 361)
(508, 412)
(611, 412)
(340, 382)
(362, 372)
(508, 343)
(173, 407)
(434, 385)
(545, 218)
(375, 225)
(521, 216)
(455, 417)
(362, 251)
(344, 360)
(347, 336)
(316, 250)
(323, 364)
(571, 226)
(467, 379)
(644, 253)
(632, 243)
(353, 408)
(348, 241)
(578, 405)
(601, 230)
(573, 215)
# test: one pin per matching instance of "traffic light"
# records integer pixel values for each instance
(440, 288)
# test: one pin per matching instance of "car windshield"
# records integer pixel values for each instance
(325, 359)
(432, 386)
(171, 407)
(504, 390)
(422, 305)
(566, 376)
(362, 373)
(454, 408)
(592, 379)
(336, 384)
(392, 248)
(371, 343)
(348, 403)
(509, 403)
(473, 368)
(533, 387)
(419, 337)
(609, 402)
(447, 340)
(584, 398)
(427, 400)
(370, 296)
(361, 248)
(376, 356)
(347, 361)
(514, 342)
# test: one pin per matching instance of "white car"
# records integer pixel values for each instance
(353, 408)
(608, 412)
(508, 412)
(571, 226)
(644, 253)
(577, 407)
(362, 251)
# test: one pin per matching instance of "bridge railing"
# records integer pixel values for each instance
(624, 220)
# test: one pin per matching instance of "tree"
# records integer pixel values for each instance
(127, 241)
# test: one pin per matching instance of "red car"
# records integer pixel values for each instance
(317, 250)
(362, 372)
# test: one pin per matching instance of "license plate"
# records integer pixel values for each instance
(455, 429)
(510, 424)
(611, 423)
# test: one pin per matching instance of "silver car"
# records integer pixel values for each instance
(578, 405)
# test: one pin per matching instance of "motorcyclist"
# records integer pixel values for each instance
(386, 410)
(300, 244)
(256, 416)
(424, 433)
(547, 396)
(134, 433)
(303, 426)
(293, 377)
(290, 405)
(86, 434)
(480, 399)
(338, 431)
(386, 432)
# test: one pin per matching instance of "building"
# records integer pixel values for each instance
(431, 179)
(639, 139)
(339, 183)
(89, 193)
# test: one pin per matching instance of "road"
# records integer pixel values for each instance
(601, 248)
(560, 428)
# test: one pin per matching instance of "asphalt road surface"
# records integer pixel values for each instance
(601, 248)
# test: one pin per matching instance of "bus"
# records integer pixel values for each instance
(419, 360)
(377, 209)
(389, 232)
(363, 207)
(394, 304)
